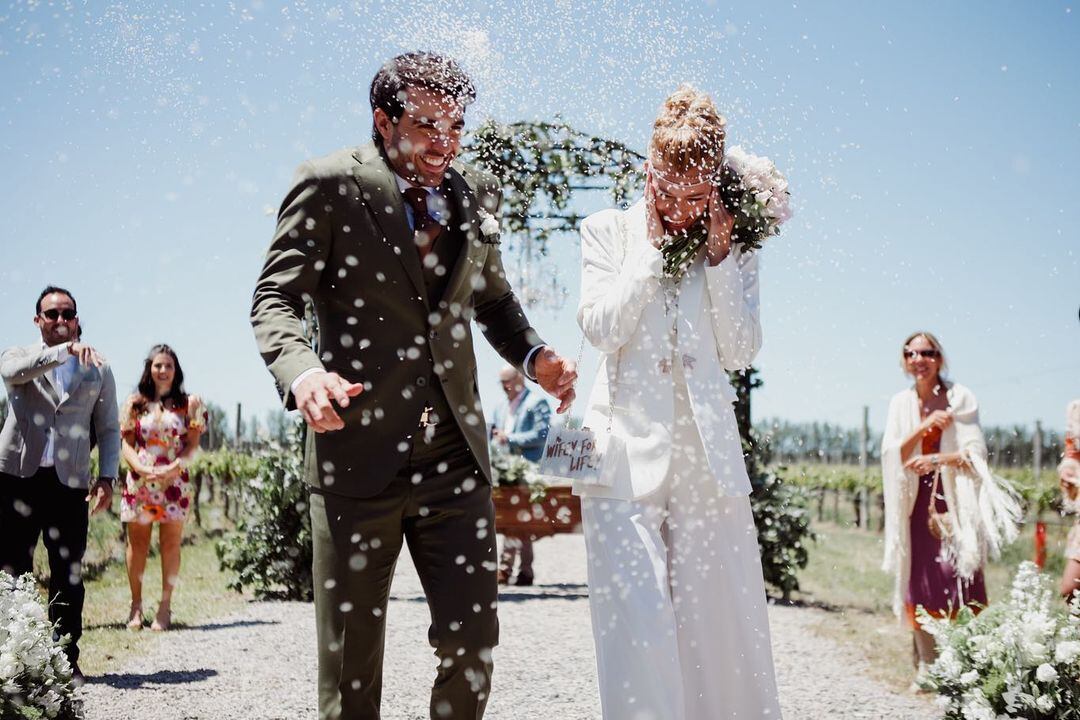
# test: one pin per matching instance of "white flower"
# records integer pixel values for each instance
(30, 660)
(948, 665)
(488, 224)
(1045, 703)
(765, 188)
(976, 707)
(970, 677)
(1046, 673)
(986, 650)
(1067, 651)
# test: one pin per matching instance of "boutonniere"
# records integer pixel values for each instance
(489, 227)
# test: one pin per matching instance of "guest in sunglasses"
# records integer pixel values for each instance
(945, 512)
(58, 388)
(160, 425)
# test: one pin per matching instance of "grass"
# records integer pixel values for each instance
(844, 578)
(200, 597)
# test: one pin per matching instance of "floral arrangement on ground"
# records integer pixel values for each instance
(35, 675)
(1016, 659)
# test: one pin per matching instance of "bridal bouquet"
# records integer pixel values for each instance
(754, 192)
(35, 676)
(1017, 659)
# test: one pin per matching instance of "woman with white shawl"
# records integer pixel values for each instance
(945, 512)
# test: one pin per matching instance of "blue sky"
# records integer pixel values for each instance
(932, 151)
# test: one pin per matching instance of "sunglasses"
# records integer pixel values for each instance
(928, 354)
(54, 314)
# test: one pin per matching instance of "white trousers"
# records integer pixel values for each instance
(677, 598)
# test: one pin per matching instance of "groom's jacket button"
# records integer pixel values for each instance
(421, 381)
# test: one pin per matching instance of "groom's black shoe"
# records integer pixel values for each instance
(523, 579)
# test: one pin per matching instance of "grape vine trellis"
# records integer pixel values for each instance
(541, 165)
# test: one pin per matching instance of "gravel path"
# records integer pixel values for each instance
(260, 663)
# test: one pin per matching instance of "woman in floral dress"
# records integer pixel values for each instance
(160, 425)
(1069, 472)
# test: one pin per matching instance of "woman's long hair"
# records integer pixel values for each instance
(148, 390)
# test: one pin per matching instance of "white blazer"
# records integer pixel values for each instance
(622, 314)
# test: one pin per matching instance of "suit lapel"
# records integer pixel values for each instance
(464, 206)
(76, 380)
(379, 191)
(45, 381)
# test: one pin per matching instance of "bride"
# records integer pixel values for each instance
(676, 591)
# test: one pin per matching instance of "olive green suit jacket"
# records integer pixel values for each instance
(343, 240)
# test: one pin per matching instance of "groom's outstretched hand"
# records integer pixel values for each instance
(557, 376)
(315, 394)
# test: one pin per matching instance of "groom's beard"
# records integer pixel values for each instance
(413, 166)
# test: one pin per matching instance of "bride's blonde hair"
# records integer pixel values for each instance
(688, 133)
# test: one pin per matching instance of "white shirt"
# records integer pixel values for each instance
(512, 407)
(436, 206)
(61, 379)
(436, 203)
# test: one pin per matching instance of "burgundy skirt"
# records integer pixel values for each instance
(934, 584)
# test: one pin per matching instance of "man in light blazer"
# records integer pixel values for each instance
(519, 425)
(396, 245)
(57, 390)
(520, 422)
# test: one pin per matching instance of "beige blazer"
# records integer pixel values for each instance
(36, 405)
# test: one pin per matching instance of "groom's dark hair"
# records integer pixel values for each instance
(429, 70)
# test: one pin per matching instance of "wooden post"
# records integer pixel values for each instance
(1036, 451)
(864, 440)
(239, 424)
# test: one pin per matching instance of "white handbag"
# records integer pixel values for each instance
(584, 456)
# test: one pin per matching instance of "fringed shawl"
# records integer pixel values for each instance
(985, 509)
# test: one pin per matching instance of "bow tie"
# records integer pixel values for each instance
(425, 227)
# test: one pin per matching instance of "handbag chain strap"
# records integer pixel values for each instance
(612, 386)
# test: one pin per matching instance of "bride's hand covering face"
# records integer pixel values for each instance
(686, 153)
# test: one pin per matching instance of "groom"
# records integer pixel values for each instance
(396, 245)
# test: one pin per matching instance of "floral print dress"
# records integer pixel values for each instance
(1072, 543)
(159, 435)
